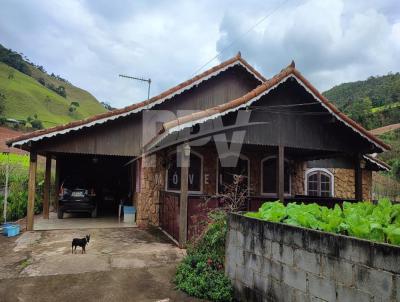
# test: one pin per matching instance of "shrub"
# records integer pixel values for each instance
(201, 273)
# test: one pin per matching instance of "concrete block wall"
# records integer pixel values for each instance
(277, 262)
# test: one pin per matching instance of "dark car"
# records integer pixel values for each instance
(76, 195)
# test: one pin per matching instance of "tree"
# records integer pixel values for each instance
(42, 81)
(107, 106)
(35, 122)
(11, 74)
(73, 107)
(360, 111)
(61, 91)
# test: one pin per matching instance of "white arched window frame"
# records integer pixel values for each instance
(328, 173)
(241, 156)
(287, 194)
(201, 174)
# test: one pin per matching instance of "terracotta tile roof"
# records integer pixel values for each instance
(142, 105)
(290, 70)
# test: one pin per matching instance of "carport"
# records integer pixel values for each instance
(102, 154)
(107, 176)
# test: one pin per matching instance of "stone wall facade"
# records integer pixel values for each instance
(152, 180)
(345, 183)
(153, 172)
(277, 262)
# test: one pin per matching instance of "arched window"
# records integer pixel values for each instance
(173, 175)
(226, 171)
(319, 182)
(268, 176)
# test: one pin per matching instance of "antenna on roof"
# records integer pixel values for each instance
(139, 79)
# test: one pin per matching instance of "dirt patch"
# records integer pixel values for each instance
(119, 264)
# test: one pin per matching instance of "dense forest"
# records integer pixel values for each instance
(374, 102)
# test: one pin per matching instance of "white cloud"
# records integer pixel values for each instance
(330, 42)
(91, 42)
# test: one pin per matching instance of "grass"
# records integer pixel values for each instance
(14, 159)
(385, 107)
(25, 96)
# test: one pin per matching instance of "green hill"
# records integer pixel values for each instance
(374, 102)
(381, 90)
(33, 91)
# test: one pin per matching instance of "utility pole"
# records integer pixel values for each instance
(139, 79)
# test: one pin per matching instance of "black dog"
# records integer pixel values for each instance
(80, 242)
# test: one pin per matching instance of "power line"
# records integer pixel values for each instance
(241, 36)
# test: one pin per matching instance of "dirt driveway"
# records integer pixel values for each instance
(124, 264)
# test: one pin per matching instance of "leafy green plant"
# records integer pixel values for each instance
(201, 273)
(378, 222)
(18, 187)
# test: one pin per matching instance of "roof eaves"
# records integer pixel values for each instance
(251, 96)
(380, 163)
(100, 118)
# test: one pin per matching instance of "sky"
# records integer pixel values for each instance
(91, 42)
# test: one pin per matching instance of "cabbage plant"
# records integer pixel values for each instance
(377, 222)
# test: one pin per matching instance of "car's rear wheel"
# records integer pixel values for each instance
(60, 214)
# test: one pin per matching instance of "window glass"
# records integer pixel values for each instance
(269, 176)
(174, 173)
(319, 183)
(226, 174)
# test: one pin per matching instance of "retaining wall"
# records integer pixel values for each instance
(277, 262)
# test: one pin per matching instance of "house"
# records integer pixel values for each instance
(165, 154)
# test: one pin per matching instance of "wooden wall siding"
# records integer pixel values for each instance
(313, 132)
(121, 137)
(124, 136)
(234, 83)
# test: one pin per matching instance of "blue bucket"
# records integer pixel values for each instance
(5, 226)
(129, 210)
(11, 230)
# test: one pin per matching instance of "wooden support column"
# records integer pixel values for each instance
(183, 201)
(46, 193)
(31, 190)
(358, 179)
(280, 173)
(56, 183)
(133, 182)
